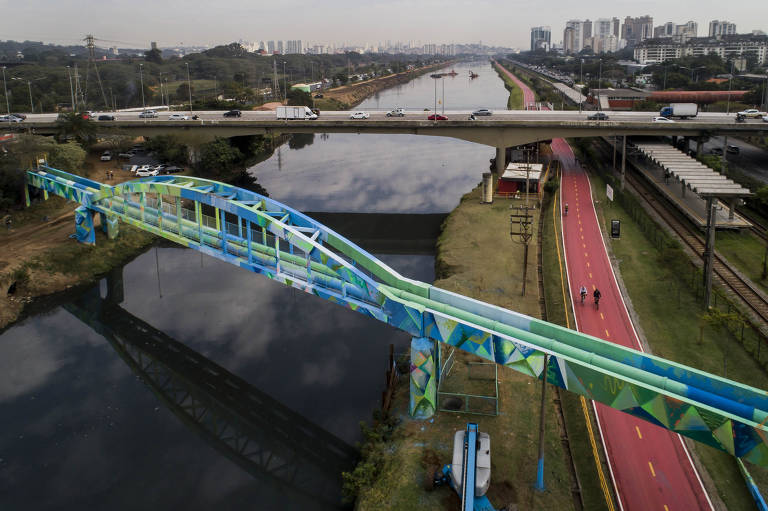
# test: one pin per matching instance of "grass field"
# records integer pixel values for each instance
(515, 100)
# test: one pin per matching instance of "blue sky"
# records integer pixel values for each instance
(499, 22)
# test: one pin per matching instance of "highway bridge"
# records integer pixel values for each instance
(261, 235)
(505, 128)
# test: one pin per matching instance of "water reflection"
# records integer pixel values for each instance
(390, 173)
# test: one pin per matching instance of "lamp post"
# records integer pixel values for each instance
(434, 115)
(7, 104)
(285, 84)
(599, 84)
(443, 82)
(31, 105)
(71, 91)
(189, 87)
(141, 77)
(581, 81)
(728, 105)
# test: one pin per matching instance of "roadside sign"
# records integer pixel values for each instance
(609, 192)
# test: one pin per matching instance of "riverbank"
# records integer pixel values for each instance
(515, 101)
(349, 96)
(477, 257)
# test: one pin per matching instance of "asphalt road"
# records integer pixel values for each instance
(498, 115)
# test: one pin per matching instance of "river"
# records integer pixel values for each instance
(182, 382)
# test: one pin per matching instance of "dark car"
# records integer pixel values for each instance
(598, 116)
(733, 149)
(233, 113)
(172, 169)
(437, 117)
(482, 111)
(319, 96)
(716, 150)
(106, 117)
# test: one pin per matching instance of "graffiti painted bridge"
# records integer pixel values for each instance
(264, 236)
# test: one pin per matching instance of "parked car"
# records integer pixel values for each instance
(598, 116)
(661, 119)
(143, 168)
(482, 111)
(437, 117)
(172, 169)
(752, 112)
(161, 168)
(359, 115)
(397, 112)
(716, 150)
(178, 117)
(318, 96)
(233, 113)
(125, 156)
(148, 114)
(105, 117)
(733, 149)
(765, 118)
(147, 172)
(20, 116)
(106, 156)
(9, 118)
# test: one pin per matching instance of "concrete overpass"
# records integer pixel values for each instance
(503, 129)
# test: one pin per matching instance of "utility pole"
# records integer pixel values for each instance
(31, 105)
(524, 223)
(7, 104)
(189, 87)
(730, 77)
(71, 91)
(141, 78)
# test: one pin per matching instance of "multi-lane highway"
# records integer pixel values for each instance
(209, 116)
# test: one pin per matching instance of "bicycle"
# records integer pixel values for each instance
(597, 296)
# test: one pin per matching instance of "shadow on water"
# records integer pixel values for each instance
(301, 461)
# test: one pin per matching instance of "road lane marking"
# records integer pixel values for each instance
(601, 316)
(640, 436)
(583, 245)
(585, 255)
(606, 333)
(666, 508)
(587, 264)
(590, 275)
(650, 465)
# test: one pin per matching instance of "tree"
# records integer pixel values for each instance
(219, 156)
(182, 92)
(298, 97)
(68, 156)
(342, 78)
(168, 148)
(119, 143)
(73, 125)
(154, 55)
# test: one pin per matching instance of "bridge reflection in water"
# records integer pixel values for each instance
(261, 435)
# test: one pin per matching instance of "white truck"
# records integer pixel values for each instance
(295, 112)
(680, 110)
(397, 112)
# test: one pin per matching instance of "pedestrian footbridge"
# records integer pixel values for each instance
(264, 236)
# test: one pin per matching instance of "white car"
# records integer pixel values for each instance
(765, 118)
(9, 118)
(143, 168)
(662, 119)
(359, 115)
(106, 156)
(752, 112)
(147, 172)
(178, 117)
(148, 114)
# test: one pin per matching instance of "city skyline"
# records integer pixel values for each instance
(345, 22)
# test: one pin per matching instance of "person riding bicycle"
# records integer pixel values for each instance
(583, 293)
(566, 208)
(597, 296)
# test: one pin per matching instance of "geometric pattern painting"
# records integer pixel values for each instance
(264, 236)
(423, 400)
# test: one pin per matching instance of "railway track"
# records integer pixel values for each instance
(724, 273)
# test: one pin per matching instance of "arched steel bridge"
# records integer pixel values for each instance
(264, 236)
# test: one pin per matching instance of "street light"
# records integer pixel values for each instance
(7, 105)
(728, 107)
(285, 84)
(71, 90)
(141, 77)
(189, 87)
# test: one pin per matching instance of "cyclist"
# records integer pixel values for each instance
(583, 292)
(566, 209)
(597, 296)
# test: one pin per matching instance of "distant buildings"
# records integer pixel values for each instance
(541, 38)
(680, 32)
(726, 47)
(601, 36)
(720, 28)
(635, 30)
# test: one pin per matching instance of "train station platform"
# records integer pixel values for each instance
(686, 183)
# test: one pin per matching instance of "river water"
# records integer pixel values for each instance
(182, 382)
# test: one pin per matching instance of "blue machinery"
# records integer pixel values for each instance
(264, 236)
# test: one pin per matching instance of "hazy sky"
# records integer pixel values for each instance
(498, 22)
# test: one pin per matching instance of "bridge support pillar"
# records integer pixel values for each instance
(731, 208)
(84, 231)
(424, 376)
(699, 146)
(682, 188)
(501, 160)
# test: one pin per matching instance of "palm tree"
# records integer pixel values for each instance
(74, 125)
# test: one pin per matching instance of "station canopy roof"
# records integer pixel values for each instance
(703, 180)
(517, 171)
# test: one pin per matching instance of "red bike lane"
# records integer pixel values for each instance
(650, 466)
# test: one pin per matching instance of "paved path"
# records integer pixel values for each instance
(650, 467)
